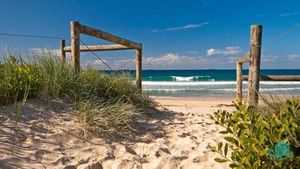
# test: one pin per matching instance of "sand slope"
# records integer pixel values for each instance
(177, 135)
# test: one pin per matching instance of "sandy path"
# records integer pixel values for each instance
(177, 135)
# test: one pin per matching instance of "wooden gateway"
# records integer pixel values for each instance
(120, 44)
(254, 77)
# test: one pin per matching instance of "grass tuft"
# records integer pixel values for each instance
(104, 104)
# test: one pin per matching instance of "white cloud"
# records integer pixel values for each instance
(289, 14)
(167, 61)
(178, 61)
(230, 50)
(55, 52)
(293, 57)
(44, 50)
(188, 26)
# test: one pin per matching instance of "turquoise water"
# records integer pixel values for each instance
(211, 83)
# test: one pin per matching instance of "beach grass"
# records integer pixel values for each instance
(104, 104)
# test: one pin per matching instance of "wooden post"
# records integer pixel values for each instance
(239, 81)
(254, 69)
(138, 74)
(62, 51)
(239, 76)
(75, 45)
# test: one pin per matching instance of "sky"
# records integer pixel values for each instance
(176, 34)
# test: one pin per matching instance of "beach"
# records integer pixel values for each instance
(149, 85)
(179, 134)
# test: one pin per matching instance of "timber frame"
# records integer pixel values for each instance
(254, 67)
(120, 44)
(253, 58)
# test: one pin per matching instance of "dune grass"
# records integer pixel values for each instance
(104, 104)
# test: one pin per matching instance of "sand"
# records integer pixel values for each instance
(180, 134)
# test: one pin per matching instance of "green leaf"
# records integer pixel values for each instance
(221, 160)
(297, 160)
(224, 132)
(264, 152)
(220, 144)
(231, 140)
(248, 140)
(226, 149)
(234, 165)
(257, 163)
(262, 138)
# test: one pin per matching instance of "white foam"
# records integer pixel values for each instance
(263, 89)
(165, 83)
(188, 78)
(226, 90)
(205, 83)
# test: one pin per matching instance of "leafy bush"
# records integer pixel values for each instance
(16, 79)
(255, 138)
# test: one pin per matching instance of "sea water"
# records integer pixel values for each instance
(212, 83)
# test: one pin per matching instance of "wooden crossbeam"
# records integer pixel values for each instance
(121, 44)
(277, 78)
(109, 37)
(243, 59)
(99, 48)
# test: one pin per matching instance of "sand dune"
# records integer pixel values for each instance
(177, 135)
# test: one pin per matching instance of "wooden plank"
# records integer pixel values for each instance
(75, 46)
(139, 69)
(62, 52)
(277, 78)
(254, 69)
(109, 37)
(239, 81)
(243, 59)
(99, 48)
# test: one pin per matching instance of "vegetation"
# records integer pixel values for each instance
(104, 104)
(265, 137)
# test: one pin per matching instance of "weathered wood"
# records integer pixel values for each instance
(243, 59)
(239, 81)
(75, 45)
(277, 78)
(254, 69)
(106, 36)
(122, 44)
(62, 52)
(98, 48)
(139, 69)
(239, 76)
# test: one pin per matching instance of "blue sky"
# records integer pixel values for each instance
(189, 34)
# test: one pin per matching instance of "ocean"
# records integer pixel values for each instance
(211, 83)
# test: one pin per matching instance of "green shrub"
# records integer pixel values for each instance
(261, 139)
(16, 79)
